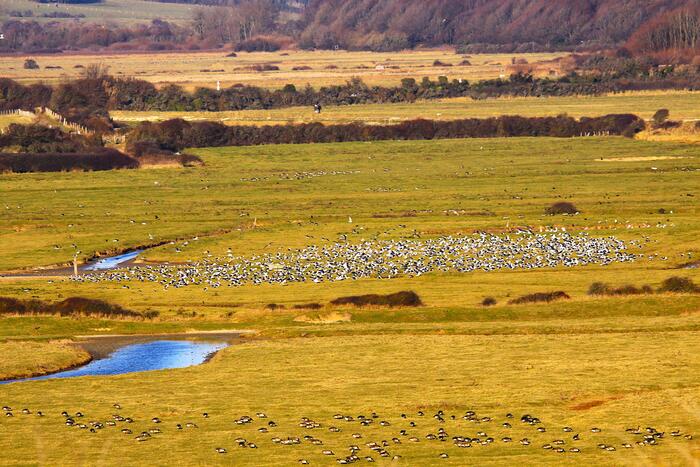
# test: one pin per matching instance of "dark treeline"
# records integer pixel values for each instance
(177, 134)
(88, 101)
(104, 159)
(42, 139)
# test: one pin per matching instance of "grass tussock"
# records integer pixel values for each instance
(673, 284)
(677, 284)
(540, 297)
(488, 301)
(73, 306)
(601, 288)
(562, 207)
(399, 299)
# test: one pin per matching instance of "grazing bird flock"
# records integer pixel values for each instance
(371, 437)
(386, 259)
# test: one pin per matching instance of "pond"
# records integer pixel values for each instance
(145, 356)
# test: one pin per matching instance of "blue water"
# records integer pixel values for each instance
(155, 355)
(112, 261)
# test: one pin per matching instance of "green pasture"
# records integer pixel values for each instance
(122, 11)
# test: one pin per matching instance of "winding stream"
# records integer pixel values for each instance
(146, 356)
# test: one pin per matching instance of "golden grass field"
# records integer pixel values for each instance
(683, 105)
(186, 69)
(22, 359)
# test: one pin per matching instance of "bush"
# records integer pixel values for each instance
(562, 207)
(31, 64)
(73, 306)
(488, 301)
(398, 299)
(600, 288)
(660, 117)
(540, 297)
(439, 63)
(677, 284)
(107, 159)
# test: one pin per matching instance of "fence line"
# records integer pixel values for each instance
(80, 129)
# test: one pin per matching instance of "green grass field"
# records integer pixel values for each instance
(683, 105)
(120, 11)
(611, 363)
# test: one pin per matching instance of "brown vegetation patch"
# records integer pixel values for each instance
(540, 297)
(593, 403)
(73, 306)
(398, 299)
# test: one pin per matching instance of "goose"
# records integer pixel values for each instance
(525, 442)
(303, 462)
(576, 437)
(595, 430)
(221, 450)
(327, 452)
(444, 455)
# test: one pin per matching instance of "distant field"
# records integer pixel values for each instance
(682, 105)
(121, 11)
(187, 69)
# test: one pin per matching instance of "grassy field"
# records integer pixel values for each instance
(118, 11)
(23, 359)
(199, 69)
(610, 363)
(682, 105)
(581, 381)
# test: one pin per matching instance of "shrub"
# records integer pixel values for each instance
(31, 64)
(660, 117)
(274, 306)
(488, 301)
(73, 306)
(106, 159)
(398, 299)
(439, 63)
(540, 297)
(600, 288)
(677, 284)
(562, 207)
(465, 63)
